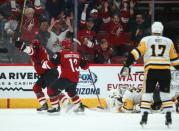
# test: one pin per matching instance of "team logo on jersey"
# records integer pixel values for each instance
(85, 79)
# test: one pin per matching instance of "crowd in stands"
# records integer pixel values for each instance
(107, 29)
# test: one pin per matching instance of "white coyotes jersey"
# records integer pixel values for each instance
(158, 52)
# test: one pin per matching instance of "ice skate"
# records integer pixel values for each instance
(168, 121)
(79, 108)
(53, 110)
(43, 107)
(144, 119)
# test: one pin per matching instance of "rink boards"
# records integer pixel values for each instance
(16, 83)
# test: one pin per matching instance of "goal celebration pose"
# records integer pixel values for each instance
(46, 76)
(70, 61)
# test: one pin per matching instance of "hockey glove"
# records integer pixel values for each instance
(19, 44)
(84, 64)
(125, 71)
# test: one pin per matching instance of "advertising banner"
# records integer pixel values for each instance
(17, 81)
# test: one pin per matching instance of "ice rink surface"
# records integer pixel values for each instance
(30, 120)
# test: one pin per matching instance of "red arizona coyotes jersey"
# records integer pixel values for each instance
(70, 62)
(38, 54)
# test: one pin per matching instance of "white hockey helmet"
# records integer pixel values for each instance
(157, 27)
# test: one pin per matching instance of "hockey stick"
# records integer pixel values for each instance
(92, 109)
(22, 16)
(100, 105)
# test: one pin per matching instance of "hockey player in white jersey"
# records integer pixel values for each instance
(124, 100)
(159, 55)
(131, 100)
(114, 99)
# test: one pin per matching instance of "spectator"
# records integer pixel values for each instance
(54, 7)
(139, 26)
(126, 12)
(43, 34)
(119, 39)
(49, 38)
(30, 24)
(61, 26)
(87, 38)
(97, 20)
(2, 22)
(6, 9)
(11, 26)
(103, 53)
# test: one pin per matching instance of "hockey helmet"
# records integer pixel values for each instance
(157, 27)
(66, 44)
(35, 42)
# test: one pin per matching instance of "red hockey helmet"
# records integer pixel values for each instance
(66, 44)
(35, 42)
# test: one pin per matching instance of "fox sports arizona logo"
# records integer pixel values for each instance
(85, 78)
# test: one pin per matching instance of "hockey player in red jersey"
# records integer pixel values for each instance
(46, 76)
(70, 61)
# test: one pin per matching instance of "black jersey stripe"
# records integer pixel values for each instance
(174, 59)
(138, 52)
(152, 64)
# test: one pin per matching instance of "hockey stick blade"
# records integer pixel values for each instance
(93, 109)
(100, 107)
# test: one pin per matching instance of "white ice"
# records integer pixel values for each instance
(30, 120)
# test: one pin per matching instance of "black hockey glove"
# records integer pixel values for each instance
(84, 62)
(19, 44)
(125, 71)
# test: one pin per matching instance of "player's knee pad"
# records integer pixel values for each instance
(37, 89)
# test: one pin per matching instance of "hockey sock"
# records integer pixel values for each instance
(40, 95)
